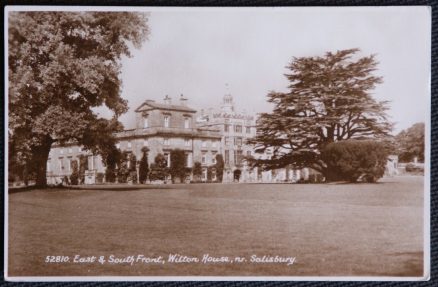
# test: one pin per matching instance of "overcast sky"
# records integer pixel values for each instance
(196, 52)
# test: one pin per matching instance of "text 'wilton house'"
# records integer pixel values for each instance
(163, 127)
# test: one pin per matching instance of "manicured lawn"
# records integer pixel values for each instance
(332, 230)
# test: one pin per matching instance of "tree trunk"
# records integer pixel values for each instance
(40, 157)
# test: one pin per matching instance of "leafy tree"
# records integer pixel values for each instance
(411, 143)
(354, 159)
(219, 167)
(328, 101)
(62, 65)
(197, 171)
(144, 166)
(178, 164)
(159, 170)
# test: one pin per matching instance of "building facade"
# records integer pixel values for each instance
(161, 127)
(236, 128)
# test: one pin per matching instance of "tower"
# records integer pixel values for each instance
(227, 104)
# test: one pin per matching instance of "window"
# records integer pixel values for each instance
(213, 158)
(69, 165)
(188, 160)
(238, 141)
(129, 145)
(248, 130)
(204, 158)
(238, 156)
(167, 157)
(186, 142)
(186, 123)
(90, 162)
(227, 156)
(214, 144)
(70, 150)
(166, 121)
(61, 163)
(166, 141)
(238, 128)
(227, 141)
(145, 122)
(48, 166)
(204, 143)
(61, 151)
(128, 163)
(145, 142)
(226, 128)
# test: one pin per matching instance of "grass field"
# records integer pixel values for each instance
(331, 229)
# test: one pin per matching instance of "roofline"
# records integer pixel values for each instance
(174, 108)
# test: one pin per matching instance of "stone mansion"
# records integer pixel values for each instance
(165, 126)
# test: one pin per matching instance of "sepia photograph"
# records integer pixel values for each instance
(274, 143)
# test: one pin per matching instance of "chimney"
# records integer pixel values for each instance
(167, 100)
(183, 101)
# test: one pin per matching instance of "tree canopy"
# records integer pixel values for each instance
(329, 100)
(62, 65)
(410, 143)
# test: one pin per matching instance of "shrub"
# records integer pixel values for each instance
(177, 165)
(83, 166)
(99, 177)
(197, 171)
(211, 172)
(219, 167)
(111, 161)
(74, 177)
(410, 167)
(352, 160)
(123, 171)
(159, 170)
(144, 166)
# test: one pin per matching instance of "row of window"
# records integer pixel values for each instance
(168, 141)
(206, 160)
(69, 150)
(66, 164)
(238, 141)
(166, 122)
(237, 128)
(238, 156)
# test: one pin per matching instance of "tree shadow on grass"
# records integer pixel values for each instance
(88, 187)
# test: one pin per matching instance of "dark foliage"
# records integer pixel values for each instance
(329, 100)
(62, 65)
(352, 160)
(144, 166)
(197, 171)
(219, 167)
(410, 143)
(159, 170)
(74, 177)
(178, 165)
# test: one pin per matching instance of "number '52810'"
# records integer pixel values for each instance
(56, 259)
